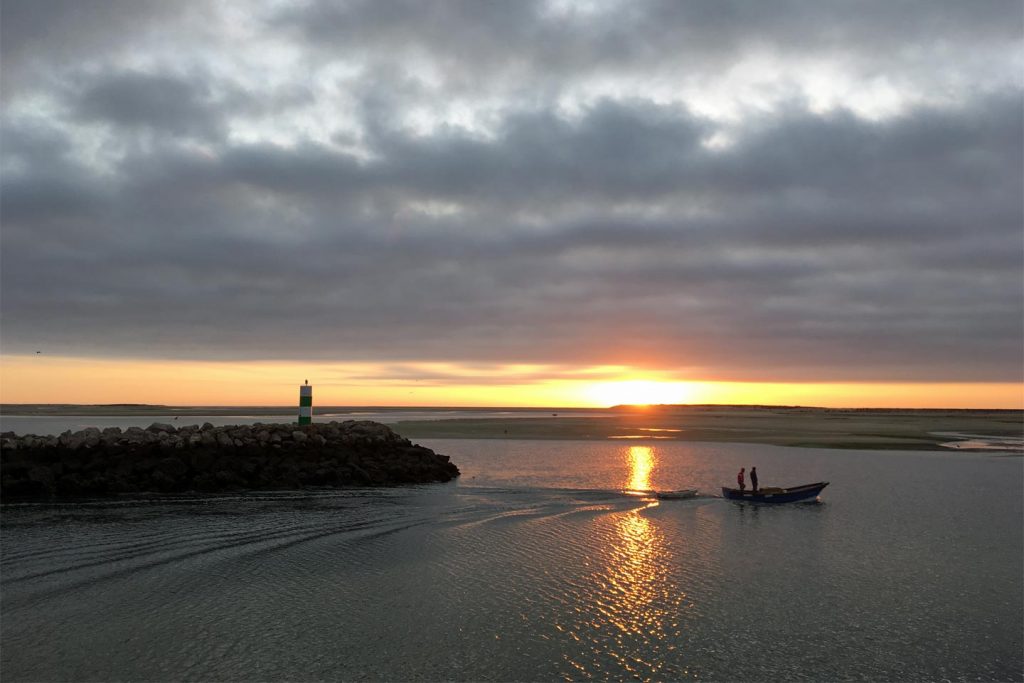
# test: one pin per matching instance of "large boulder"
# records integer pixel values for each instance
(161, 427)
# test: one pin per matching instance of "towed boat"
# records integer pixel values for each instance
(662, 495)
(676, 495)
(776, 495)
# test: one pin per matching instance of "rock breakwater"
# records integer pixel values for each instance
(165, 459)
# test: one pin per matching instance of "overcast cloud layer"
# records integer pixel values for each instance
(749, 190)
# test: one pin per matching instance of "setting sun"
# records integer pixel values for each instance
(641, 392)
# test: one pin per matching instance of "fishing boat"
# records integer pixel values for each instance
(676, 495)
(776, 495)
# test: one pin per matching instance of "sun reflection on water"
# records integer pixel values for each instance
(638, 605)
(636, 575)
(641, 461)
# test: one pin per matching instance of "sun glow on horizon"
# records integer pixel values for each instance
(76, 380)
(642, 392)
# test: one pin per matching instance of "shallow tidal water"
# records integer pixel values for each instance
(535, 566)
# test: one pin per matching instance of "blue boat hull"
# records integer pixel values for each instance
(793, 494)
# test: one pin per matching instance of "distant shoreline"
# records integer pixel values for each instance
(142, 409)
(997, 431)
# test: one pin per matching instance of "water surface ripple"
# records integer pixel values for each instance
(536, 566)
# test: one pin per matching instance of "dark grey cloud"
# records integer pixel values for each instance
(473, 43)
(134, 100)
(272, 199)
(36, 35)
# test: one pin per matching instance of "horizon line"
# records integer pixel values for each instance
(290, 407)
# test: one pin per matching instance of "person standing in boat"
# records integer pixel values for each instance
(739, 479)
(753, 479)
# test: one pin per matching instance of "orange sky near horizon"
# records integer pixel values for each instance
(35, 379)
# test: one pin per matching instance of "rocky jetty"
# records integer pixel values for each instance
(165, 459)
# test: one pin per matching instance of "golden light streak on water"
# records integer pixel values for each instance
(636, 574)
(641, 461)
(637, 606)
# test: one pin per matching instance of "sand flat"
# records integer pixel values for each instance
(896, 429)
(809, 427)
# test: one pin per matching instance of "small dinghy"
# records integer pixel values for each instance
(676, 495)
(776, 495)
(662, 495)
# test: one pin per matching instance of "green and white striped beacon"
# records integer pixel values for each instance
(305, 404)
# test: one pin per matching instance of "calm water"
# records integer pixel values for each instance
(534, 567)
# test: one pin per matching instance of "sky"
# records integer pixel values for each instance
(547, 202)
